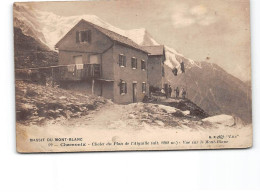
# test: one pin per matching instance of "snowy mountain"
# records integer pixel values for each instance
(208, 85)
(49, 28)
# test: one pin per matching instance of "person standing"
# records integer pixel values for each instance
(170, 91)
(177, 92)
(183, 93)
(166, 90)
(163, 91)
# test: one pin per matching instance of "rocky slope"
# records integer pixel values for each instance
(30, 52)
(36, 104)
(214, 90)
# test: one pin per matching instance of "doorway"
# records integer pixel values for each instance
(134, 92)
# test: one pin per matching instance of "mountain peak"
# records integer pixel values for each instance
(141, 37)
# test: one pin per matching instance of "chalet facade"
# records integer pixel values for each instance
(155, 66)
(101, 62)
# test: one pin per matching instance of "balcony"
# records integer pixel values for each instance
(61, 73)
(78, 72)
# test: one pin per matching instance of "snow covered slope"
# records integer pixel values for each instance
(50, 28)
(141, 37)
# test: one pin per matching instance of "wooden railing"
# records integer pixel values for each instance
(79, 72)
(61, 73)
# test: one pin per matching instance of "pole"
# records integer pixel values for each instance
(93, 85)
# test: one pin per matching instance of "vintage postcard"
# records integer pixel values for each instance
(132, 75)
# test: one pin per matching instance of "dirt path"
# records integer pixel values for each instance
(106, 116)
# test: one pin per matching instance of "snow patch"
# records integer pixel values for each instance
(226, 120)
(173, 51)
(171, 60)
(137, 35)
(168, 109)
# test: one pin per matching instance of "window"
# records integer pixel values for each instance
(95, 59)
(144, 87)
(83, 36)
(134, 63)
(123, 87)
(143, 65)
(122, 60)
(78, 59)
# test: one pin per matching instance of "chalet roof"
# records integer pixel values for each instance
(155, 50)
(112, 35)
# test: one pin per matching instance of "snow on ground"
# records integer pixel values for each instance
(168, 109)
(136, 124)
(226, 120)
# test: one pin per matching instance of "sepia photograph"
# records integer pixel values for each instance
(133, 75)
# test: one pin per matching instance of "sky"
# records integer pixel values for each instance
(216, 31)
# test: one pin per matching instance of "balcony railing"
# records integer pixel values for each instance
(79, 72)
(61, 73)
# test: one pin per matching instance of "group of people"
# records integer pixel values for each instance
(168, 92)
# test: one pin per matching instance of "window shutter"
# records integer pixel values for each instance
(143, 65)
(84, 36)
(134, 62)
(125, 87)
(120, 87)
(89, 36)
(123, 61)
(120, 60)
(77, 36)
